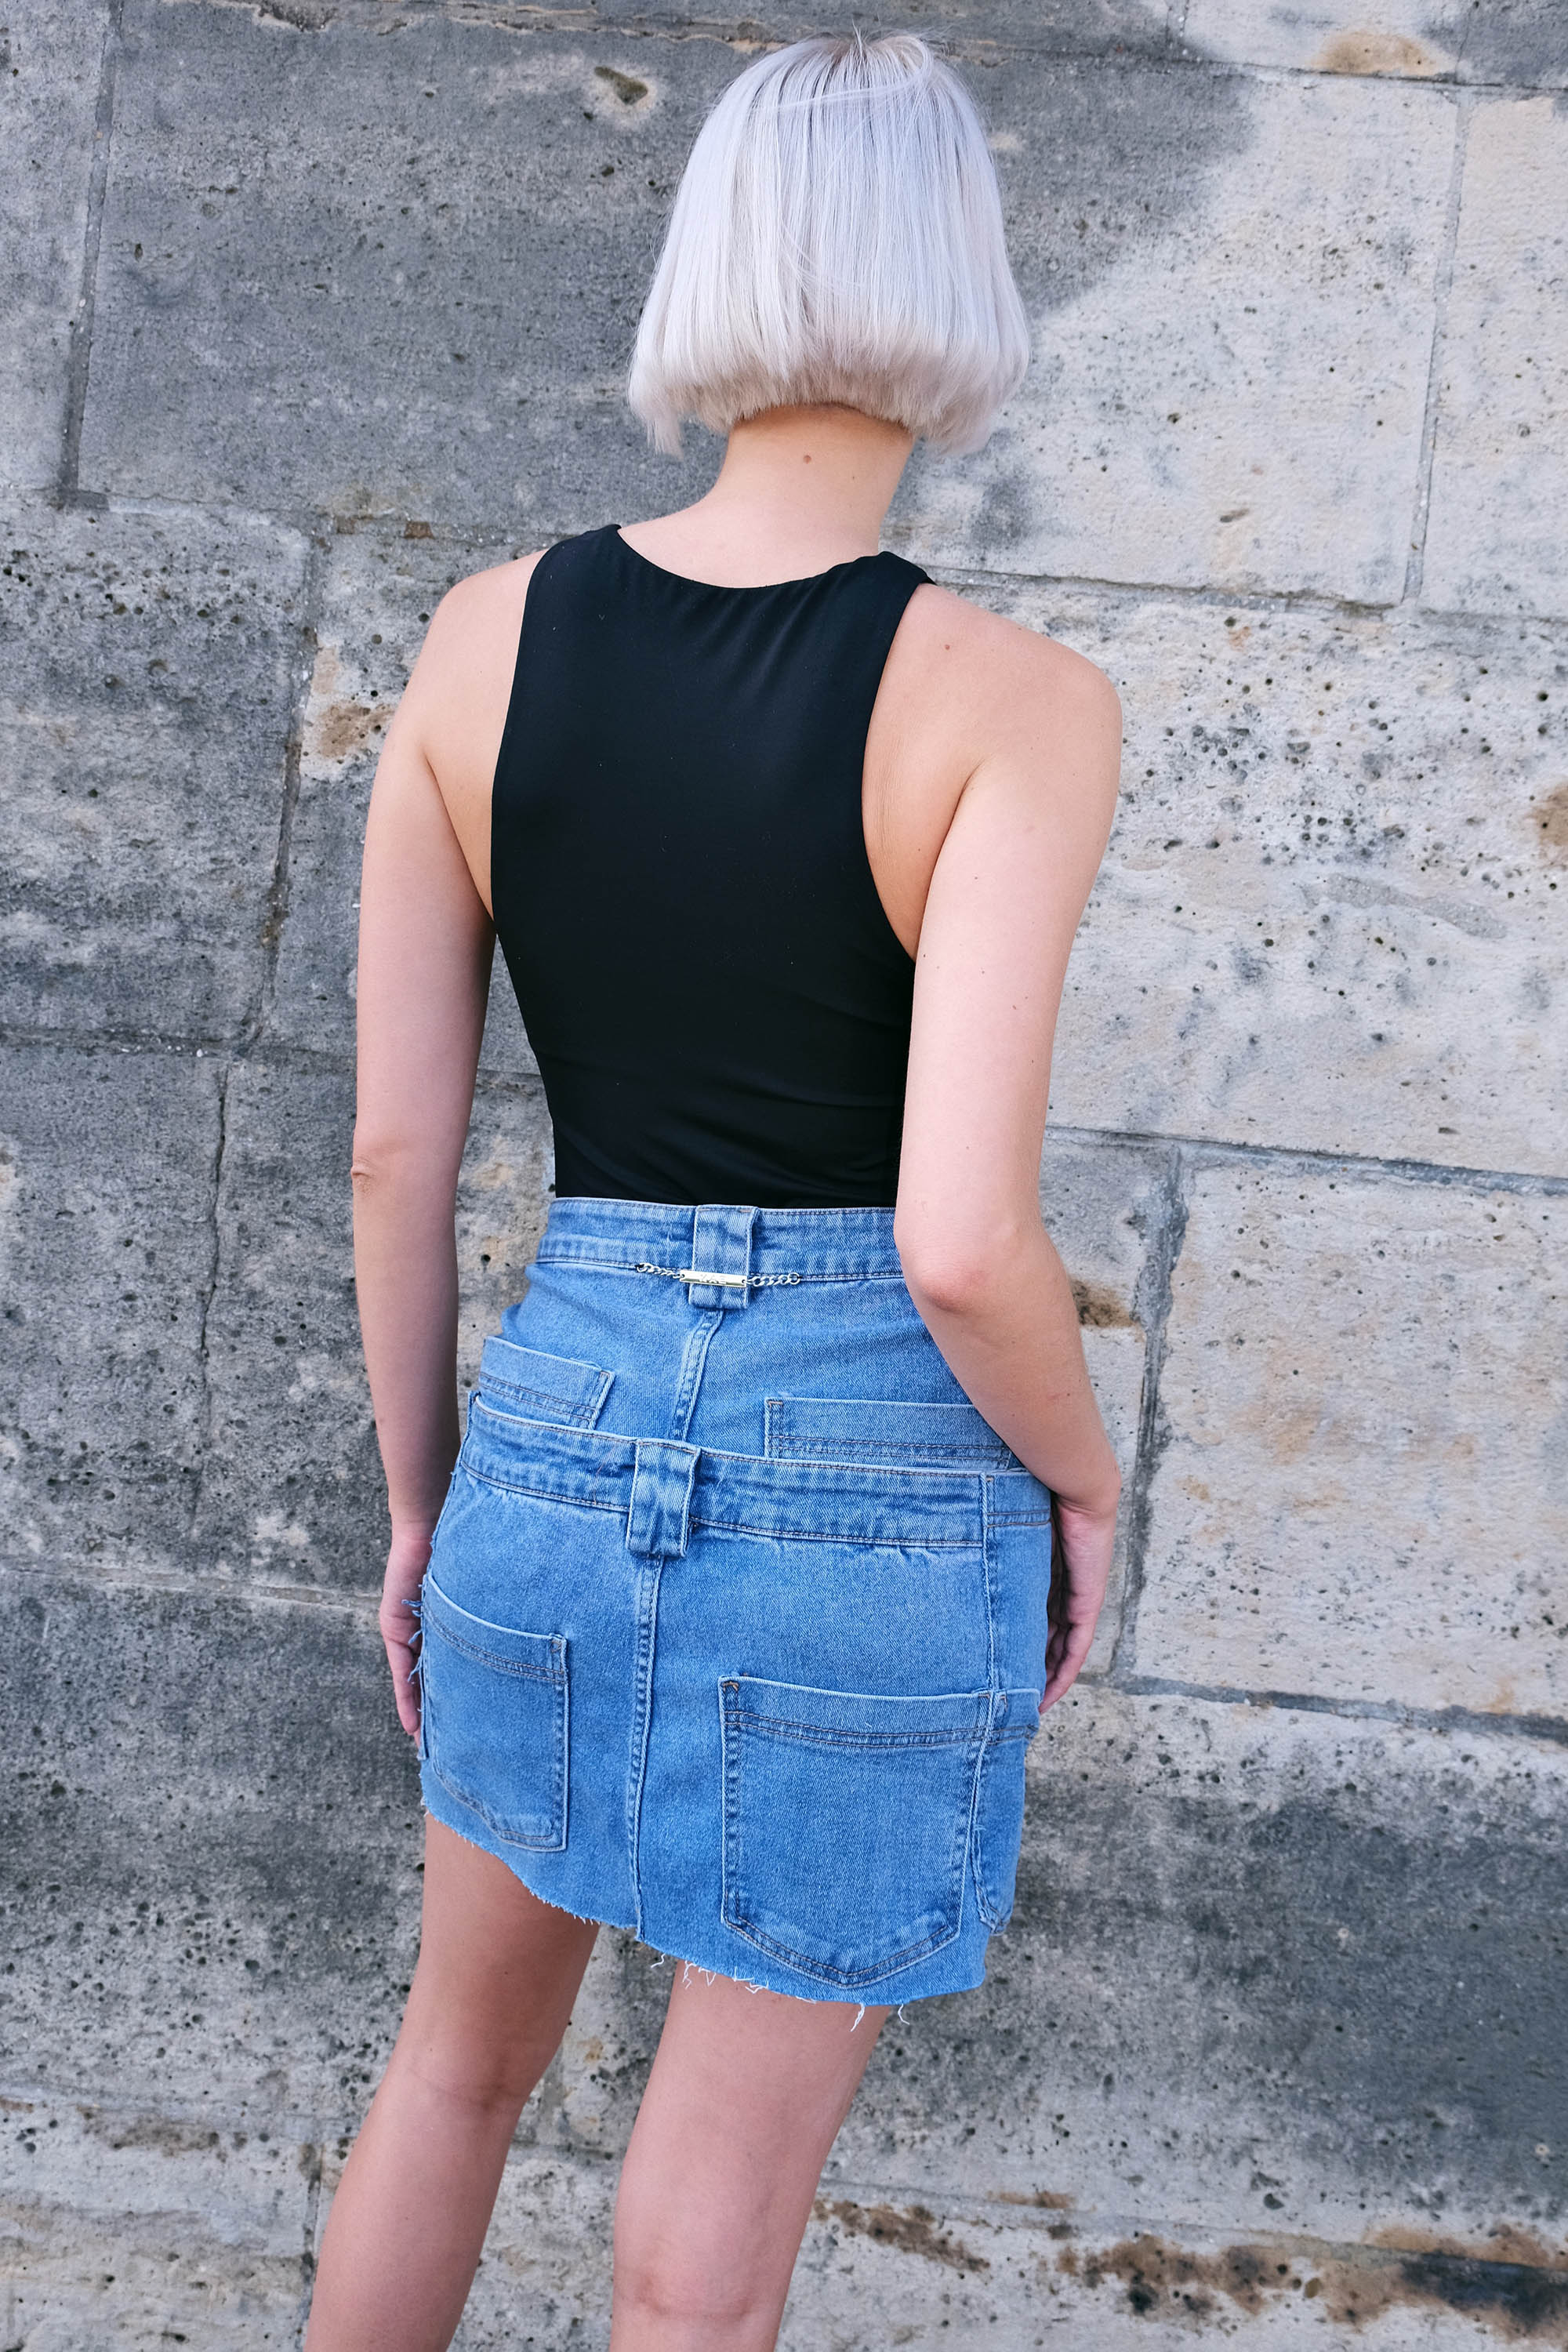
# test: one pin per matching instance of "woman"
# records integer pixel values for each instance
(734, 1627)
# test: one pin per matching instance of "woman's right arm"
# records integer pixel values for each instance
(1007, 892)
(424, 950)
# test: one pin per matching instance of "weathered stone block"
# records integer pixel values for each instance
(974, 29)
(377, 593)
(1270, 1969)
(1233, 285)
(1510, 41)
(881, 2268)
(212, 1828)
(1362, 1395)
(1500, 470)
(48, 98)
(213, 1835)
(107, 1171)
(152, 667)
(292, 1486)
(125, 2228)
(1404, 38)
(1330, 914)
(1172, 233)
(384, 267)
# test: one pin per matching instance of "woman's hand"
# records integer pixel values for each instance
(399, 1618)
(1085, 1540)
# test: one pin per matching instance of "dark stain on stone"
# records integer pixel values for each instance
(910, 2229)
(1100, 1308)
(1523, 2301)
(626, 87)
(161, 2134)
(1516, 41)
(1052, 2200)
(1377, 52)
(1550, 818)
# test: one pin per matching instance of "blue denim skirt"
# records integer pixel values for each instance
(734, 1627)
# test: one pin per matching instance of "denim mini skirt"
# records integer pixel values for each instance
(734, 1626)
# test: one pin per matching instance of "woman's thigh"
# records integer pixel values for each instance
(746, 2095)
(498, 1973)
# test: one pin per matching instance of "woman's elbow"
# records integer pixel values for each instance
(389, 1160)
(958, 1273)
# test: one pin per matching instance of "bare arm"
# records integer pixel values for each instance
(1005, 897)
(424, 951)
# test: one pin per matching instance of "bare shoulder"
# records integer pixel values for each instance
(475, 620)
(998, 667)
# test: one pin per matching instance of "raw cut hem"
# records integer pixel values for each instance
(688, 1965)
(482, 1845)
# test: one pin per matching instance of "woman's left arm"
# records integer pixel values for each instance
(425, 948)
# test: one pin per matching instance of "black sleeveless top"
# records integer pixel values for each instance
(719, 1005)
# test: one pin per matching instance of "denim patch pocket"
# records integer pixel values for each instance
(999, 1815)
(846, 1823)
(891, 1436)
(493, 1719)
(536, 1387)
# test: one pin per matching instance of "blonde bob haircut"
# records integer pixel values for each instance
(837, 238)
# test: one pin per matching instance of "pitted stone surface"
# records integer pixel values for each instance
(1261, 428)
(1364, 1395)
(1500, 472)
(1333, 913)
(107, 1166)
(919, 2271)
(377, 593)
(384, 266)
(210, 1901)
(292, 1491)
(152, 665)
(50, 57)
(1288, 1970)
(120, 2228)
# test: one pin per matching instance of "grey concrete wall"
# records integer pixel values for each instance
(315, 306)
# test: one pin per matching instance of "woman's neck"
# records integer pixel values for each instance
(800, 489)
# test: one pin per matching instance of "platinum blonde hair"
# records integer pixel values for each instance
(836, 236)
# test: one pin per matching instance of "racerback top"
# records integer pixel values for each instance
(719, 1005)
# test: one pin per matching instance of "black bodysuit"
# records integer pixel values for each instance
(719, 1005)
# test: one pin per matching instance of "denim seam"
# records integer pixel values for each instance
(829, 1535)
(965, 1456)
(568, 1411)
(650, 1571)
(817, 1735)
(556, 1676)
(508, 1836)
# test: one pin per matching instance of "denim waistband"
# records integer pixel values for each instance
(664, 1488)
(768, 1244)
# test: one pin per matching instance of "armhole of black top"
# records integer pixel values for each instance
(921, 579)
(514, 702)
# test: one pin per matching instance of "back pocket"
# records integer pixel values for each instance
(889, 1436)
(536, 1387)
(846, 1823)
(493, 1722)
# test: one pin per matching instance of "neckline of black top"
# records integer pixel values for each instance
(722, 588)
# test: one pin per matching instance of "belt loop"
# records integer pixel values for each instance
(721, 1243)
(658, 1523)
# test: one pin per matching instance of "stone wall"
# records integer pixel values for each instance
(318, 306)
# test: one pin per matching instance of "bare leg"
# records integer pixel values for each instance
(498, 1973)
(747, 2096)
